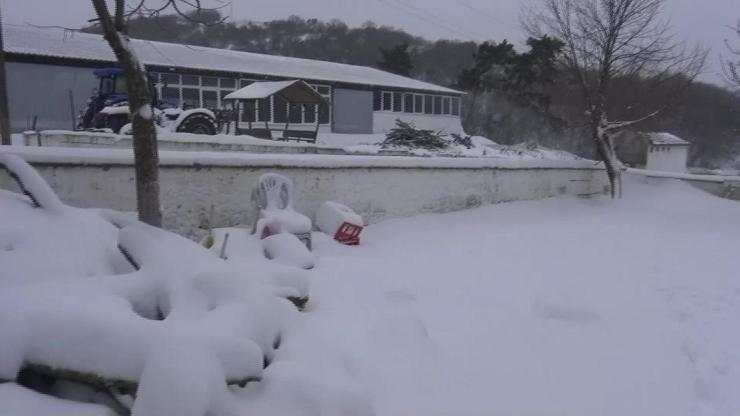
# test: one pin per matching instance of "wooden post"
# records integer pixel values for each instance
(4, 111)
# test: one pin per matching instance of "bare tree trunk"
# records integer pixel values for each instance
(146, 156)
(4, 111)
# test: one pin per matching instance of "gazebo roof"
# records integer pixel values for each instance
(294, 91)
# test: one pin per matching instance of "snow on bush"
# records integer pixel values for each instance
(96, 297)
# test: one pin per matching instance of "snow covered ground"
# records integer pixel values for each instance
(556, 307)
(559, 307)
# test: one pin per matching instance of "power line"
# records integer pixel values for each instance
(425, 19)
(437, 18)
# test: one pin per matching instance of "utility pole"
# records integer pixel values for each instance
(4, 114)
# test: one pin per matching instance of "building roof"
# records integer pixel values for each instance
(663, 139)
(61, 43)
(294, 91)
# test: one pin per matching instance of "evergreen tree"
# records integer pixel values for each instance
(397, 60)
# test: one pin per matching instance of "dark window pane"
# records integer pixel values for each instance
(170, 79)
(387, 101)
(377, 101)
(243, 83)
(323, 114)
(279, 110)
(190, 80)
(210, 99)
(228, 83)
(153, 77)
(418, 103)
(428, 104)
(397, 102)
(295, 115)
(171, 96)
(437, 104)
(323, 90)
(408, 103)
(264, 110)
(309, 114)
(247, 109)
(446, 105)
(455, 106)
(190, 98)
(209, 81)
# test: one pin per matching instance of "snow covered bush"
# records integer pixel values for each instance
(100, 300)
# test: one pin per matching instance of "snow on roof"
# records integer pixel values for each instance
(67, 44)
(295, 91)
(664, 138)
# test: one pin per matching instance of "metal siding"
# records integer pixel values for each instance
(353, 111)
(43, 91)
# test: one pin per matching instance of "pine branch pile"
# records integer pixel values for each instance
(460, 140)
(407, 135)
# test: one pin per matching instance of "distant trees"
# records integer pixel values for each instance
(609, 39)
(522, 77)
(396, 60)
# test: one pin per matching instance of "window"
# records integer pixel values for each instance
(408, 103)
(228, 83)
(397, 102)
(455, 106)
(279, 110)
(428, 99)
(418, 103)
(171, 95)
(446, 105)
(243, 83)
(323, 114)
(387, 101)
(377, 101)
(190, 80)
(309, 114)
(170, 79)
(295, 114)
(190, 98)
(209, 81)
(264, 109)
(437, 104)
(210, 99)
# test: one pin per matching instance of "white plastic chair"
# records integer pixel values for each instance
(273, 196)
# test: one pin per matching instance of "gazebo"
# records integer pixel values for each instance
(294, 92)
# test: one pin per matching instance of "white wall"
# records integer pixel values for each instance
(375, 186)
(668, 158)
(383, 121)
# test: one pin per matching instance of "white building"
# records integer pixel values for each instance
(50, 77)
(653, 151)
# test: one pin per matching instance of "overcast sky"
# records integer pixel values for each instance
(700, 21)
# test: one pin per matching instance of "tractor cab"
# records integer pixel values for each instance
(107, 108)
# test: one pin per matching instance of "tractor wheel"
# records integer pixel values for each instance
(197, 123)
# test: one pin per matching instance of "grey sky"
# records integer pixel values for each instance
(700, 21)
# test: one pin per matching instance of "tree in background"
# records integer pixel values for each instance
(607, 39)
(146, 156)
(522, 77)
(397, 60)
(732, 69)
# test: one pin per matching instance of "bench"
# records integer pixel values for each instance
(300, 135)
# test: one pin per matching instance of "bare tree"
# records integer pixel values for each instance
(731, 69)
(606, 39)
(146, 155)
(4, 114)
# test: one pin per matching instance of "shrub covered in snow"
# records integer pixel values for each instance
(157, 322)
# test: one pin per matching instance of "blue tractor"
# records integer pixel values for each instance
(107, 109)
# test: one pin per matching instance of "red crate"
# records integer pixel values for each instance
(348, 234)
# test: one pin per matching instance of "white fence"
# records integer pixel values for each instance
(211, 189)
